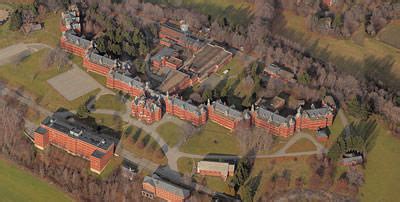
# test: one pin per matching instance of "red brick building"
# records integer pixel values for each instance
(224, 115)
(147, 108)
(99, 64)
(166, 57)
(75, 139)
(119, 81)
(74, 44)
(314, 118)
(197, 115)
(172, 34)
(155, 187)
(216, 169)
(277, 72)
(272, 122)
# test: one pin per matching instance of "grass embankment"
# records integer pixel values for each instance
(212, 139)
(390, 34)
(29, 76)
(142, 145)
(170, 133)
(335, 130)
(20, 185)
(50, 35)
(382, 167)
(302, 145)
(342, 52)
(110, 102)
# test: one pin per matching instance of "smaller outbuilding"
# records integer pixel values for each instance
(218, 169)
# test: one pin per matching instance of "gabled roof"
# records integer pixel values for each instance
(317, 113)
(163, 53)
(79, 41)
(223, 168)
(128, 80)
(271, 117)
(187, 106)
(166, 186)
(102, 60)
(227, 111)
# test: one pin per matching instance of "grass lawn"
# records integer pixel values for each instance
(337, 50)
(215, 183)
(335, 129)
(114, 164)
(389, 34)
(266, 168)
(110, 102)
(171, 133)
(301, 145)
(29, 75)
(186, 165)
(150, 150)
(20, 185)
(235, 67)
(213, 139)
(382, 169)
(50, 35)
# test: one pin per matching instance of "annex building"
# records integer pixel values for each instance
(216, 169)
(75, 139)
(154, 187)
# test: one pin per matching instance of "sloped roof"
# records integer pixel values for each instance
(317, 113)
(102, 60)
(79, 41)
(128, 80)
(187, 106)
(271, 117)
(160, 184)
(227, 111)
(221, 167)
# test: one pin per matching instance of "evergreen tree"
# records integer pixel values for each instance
(16, 20)
(83, 111)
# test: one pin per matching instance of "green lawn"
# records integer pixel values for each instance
(30, 76)
(186, 165)
(171, 133)
(335, 129)
(302, 145)
(235, 67)
(213, 138)
(114, 164)
(150, 150)
(215, 183)
(382, 169)
(390, 33)
(359, 48)
(20, 185)
(49, 35)
(110, 102)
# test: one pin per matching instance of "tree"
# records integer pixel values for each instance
(82, 111)
(242, 172)
(207, 94)
(16, 20)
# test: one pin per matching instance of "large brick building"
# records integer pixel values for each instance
(217, 169)
(74, 44)
(272, 122)
(125, 83)
(75, 139)
(166, 57)
(314, 118)
(155, 187)
(171, 34)
(98, 64)
(147, 108)
(197, 115)
(224, 115)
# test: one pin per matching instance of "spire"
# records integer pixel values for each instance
(252, 108)
(208, 102)
(167, 94)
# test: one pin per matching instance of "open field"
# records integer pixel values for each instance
(110, 102)
(383, 165)
(390, 34)
(215, 183)
(20, 185)
(29, 76)
(186, 165)
(344, 53)
(266, 168)
(149, 150)
(302, 145)
(114, 164)
(213, 139)
(170, 133)
(50, 35)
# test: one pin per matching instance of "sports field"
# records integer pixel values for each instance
(20, 185)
